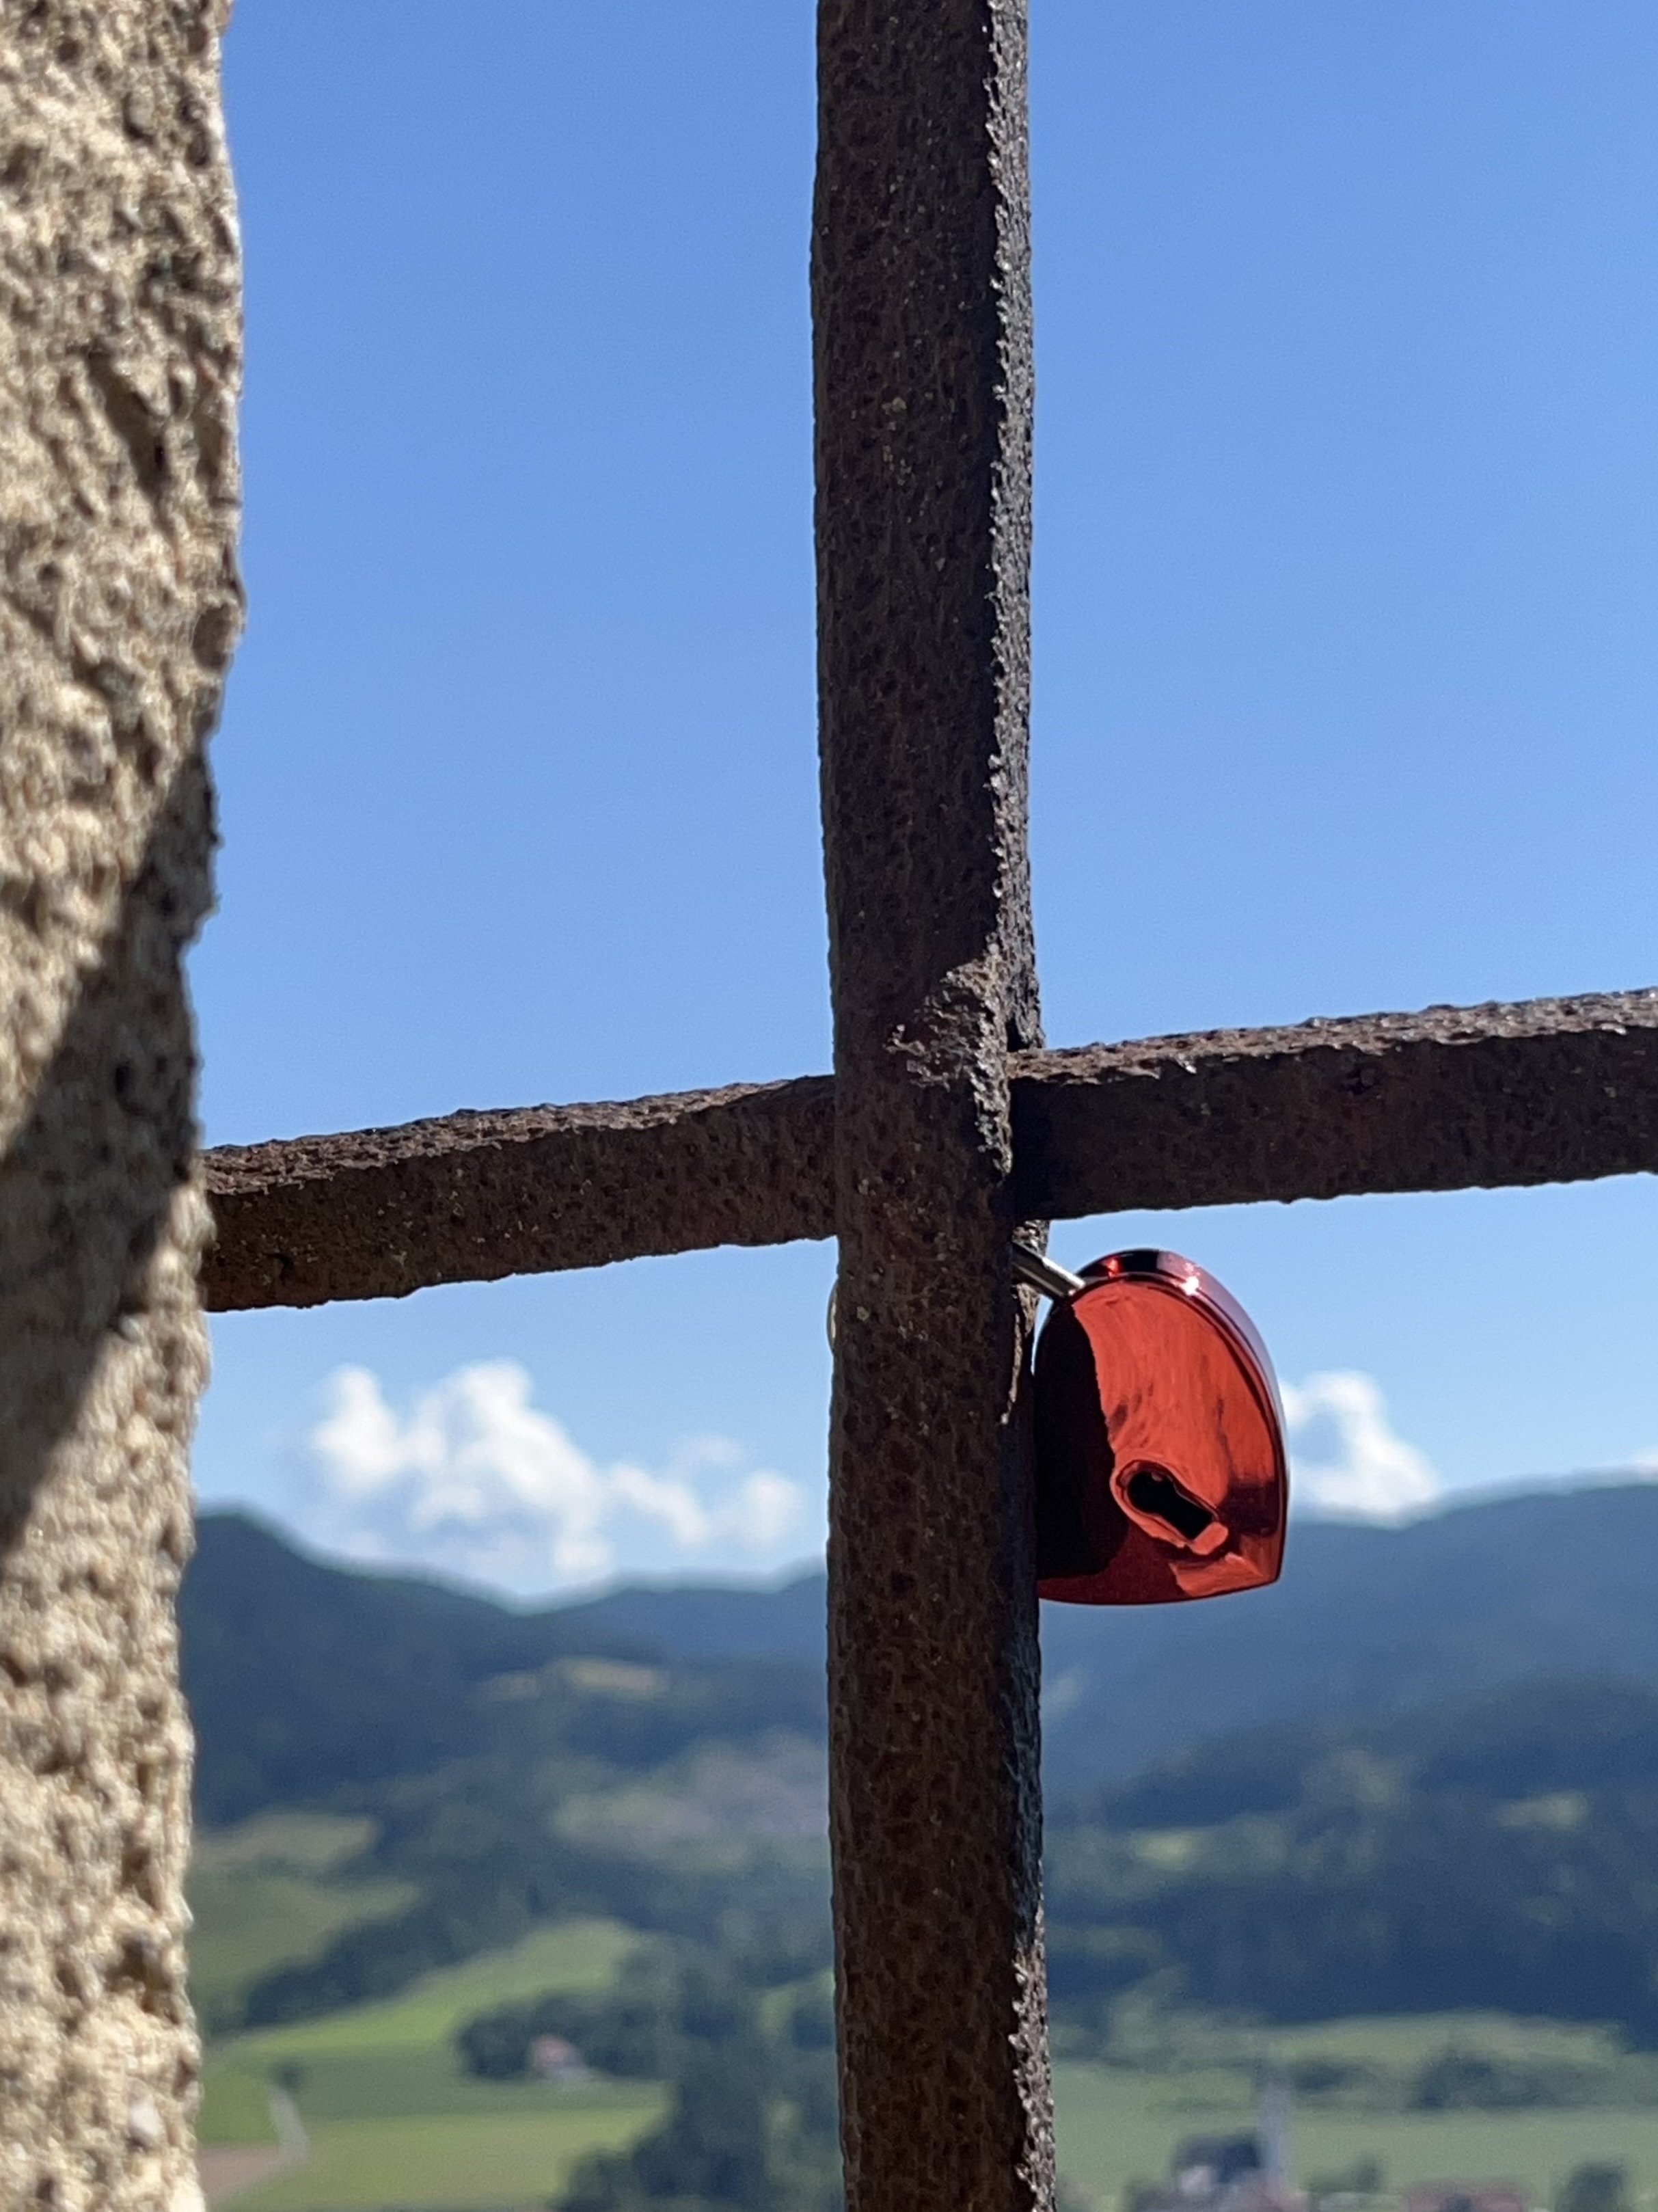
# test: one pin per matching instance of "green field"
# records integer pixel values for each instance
(572, 1954)
(458, 2165)
(392, 2121)
(396, 2057)
(390, 2117)
(271, 1893)
(1117, 2126)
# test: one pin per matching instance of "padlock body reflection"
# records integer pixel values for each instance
(1161, 1473)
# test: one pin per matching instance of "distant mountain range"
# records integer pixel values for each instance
(305, 1676)
(1493, 1851)
(1420, 1774)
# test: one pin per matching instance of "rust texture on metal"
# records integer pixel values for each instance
(472, 1197)
(922, 374)
(1551, 1090)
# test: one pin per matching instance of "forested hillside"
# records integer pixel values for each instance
(1418, 1777)
(1499, 1852)
(302, 1676)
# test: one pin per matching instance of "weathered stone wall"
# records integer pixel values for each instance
(118, 608)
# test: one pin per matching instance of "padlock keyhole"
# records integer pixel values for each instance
(1152, 1491)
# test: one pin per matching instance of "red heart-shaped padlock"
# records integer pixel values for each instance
(1161, 1473)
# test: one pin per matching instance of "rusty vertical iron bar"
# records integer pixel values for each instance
(922, 314)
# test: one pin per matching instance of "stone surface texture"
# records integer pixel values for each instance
(921, 319)
(118, 606)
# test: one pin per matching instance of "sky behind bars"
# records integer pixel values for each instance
(1346, 636)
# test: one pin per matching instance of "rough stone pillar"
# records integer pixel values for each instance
(119, 360)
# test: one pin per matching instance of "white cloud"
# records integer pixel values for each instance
(1646, 1463)
(767, 1507)
(478, 1482)
(1345, 1456)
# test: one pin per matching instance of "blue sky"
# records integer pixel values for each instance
(1346, 634)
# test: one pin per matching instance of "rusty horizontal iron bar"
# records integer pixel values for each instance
(1548, 1090)
(1453, 1098)
(377, 1213)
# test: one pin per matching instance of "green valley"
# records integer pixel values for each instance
(452, 1849)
